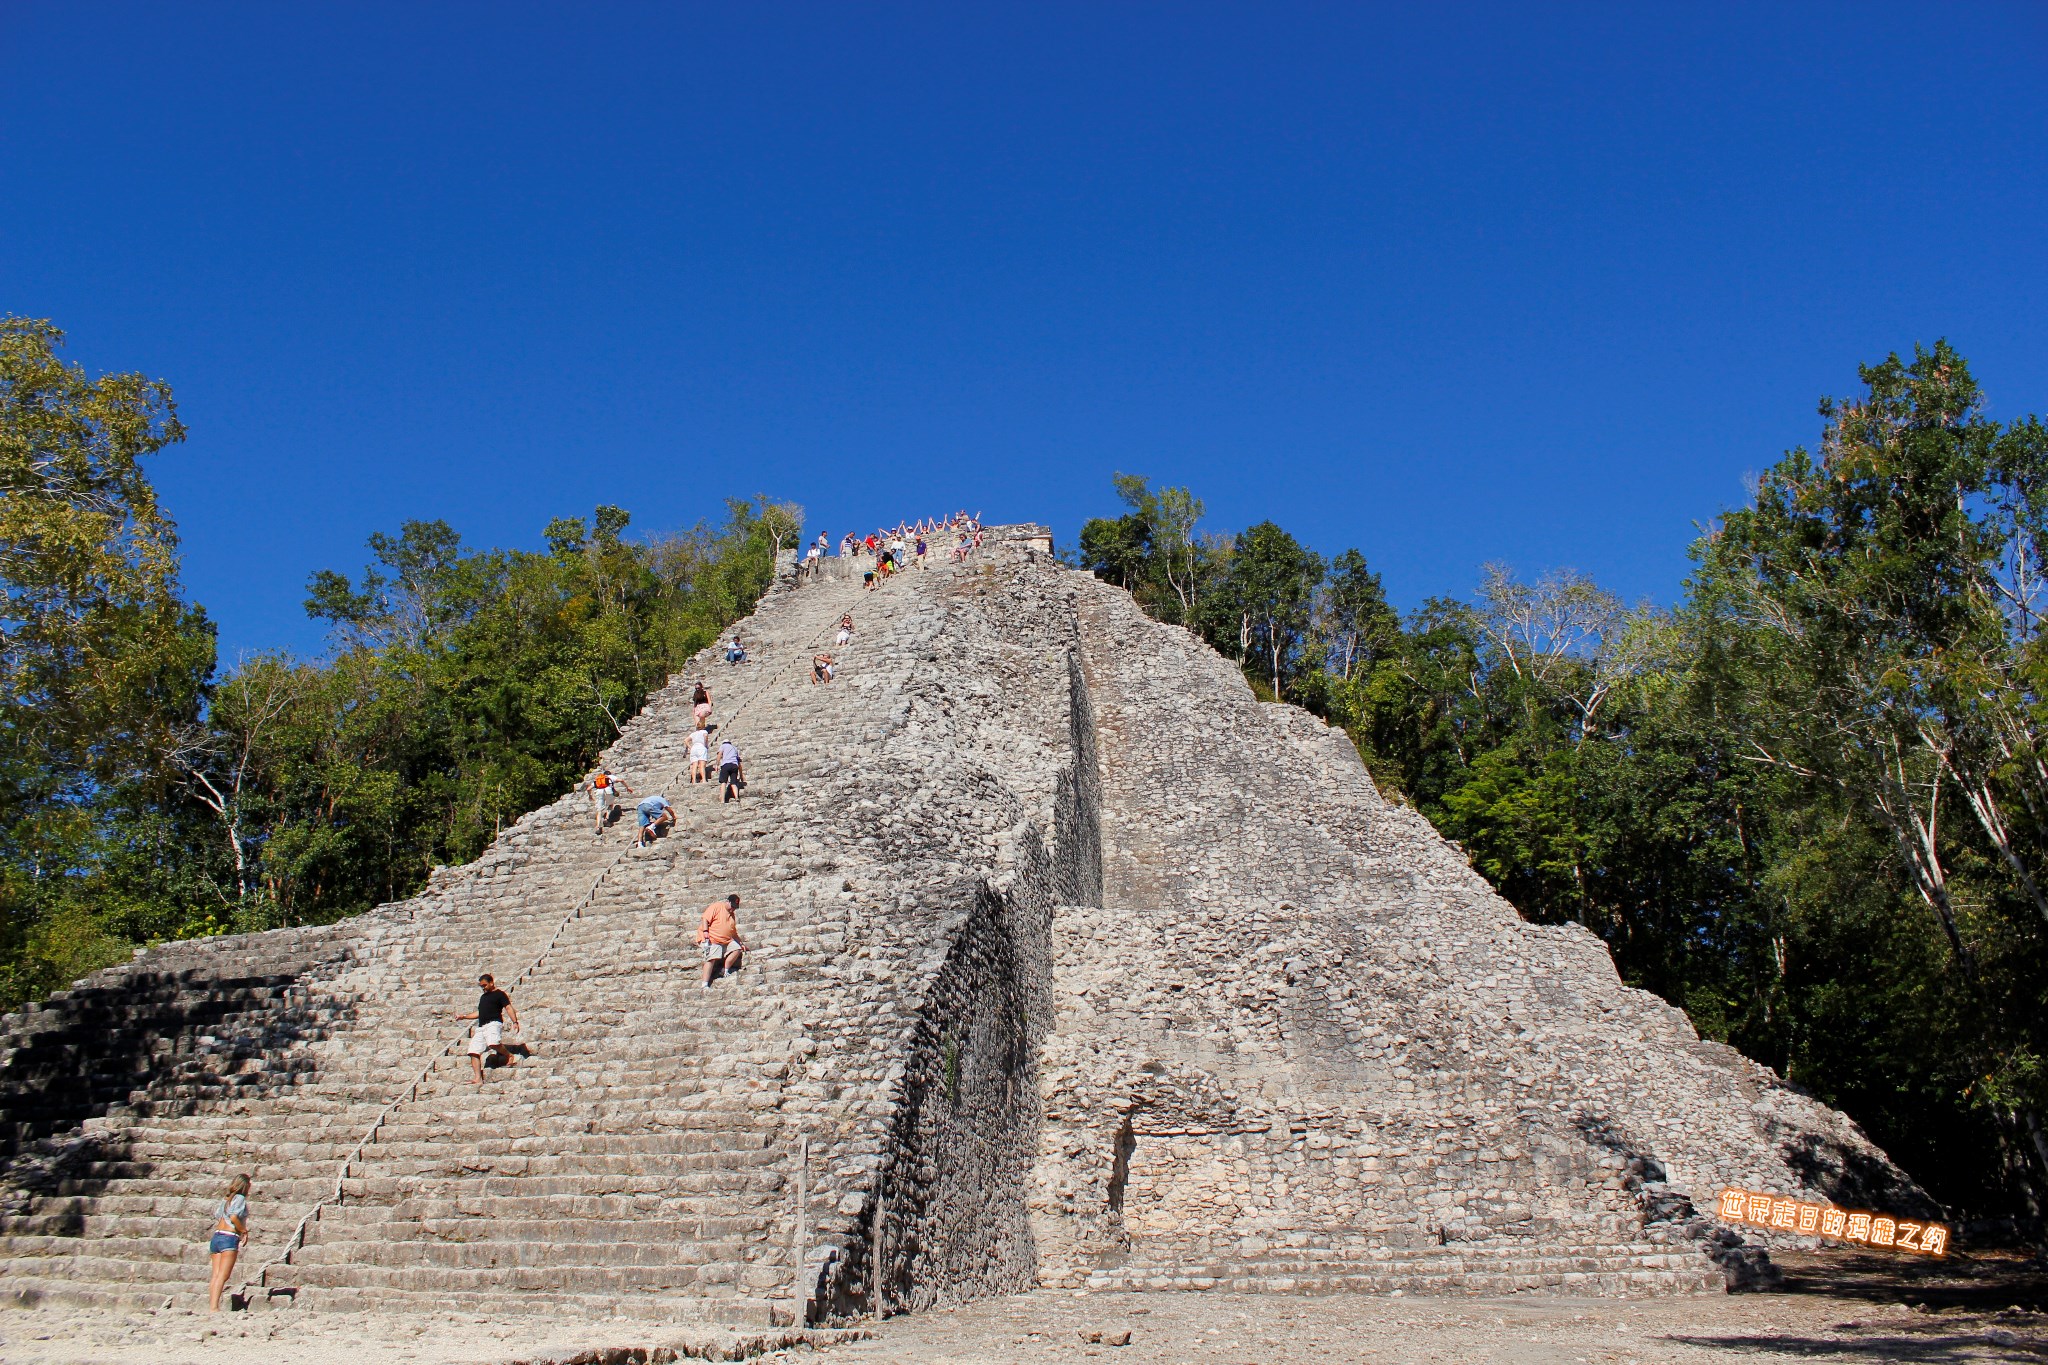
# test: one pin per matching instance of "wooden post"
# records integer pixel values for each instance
(875, 1251)
(803, 1169)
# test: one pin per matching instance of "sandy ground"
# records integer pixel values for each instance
(1841, 1309)
(1525, 1331)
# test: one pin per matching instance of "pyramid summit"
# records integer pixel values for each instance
(1070, 963)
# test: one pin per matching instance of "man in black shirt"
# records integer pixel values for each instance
(493, 1008)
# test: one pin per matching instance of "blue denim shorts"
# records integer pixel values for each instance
(223, 1241)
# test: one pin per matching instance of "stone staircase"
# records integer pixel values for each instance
(638, 1159)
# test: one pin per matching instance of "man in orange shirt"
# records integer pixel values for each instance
(720, 936)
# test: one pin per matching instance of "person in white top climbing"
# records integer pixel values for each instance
(700, 755)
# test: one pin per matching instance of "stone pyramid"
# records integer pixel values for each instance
(1071, 964)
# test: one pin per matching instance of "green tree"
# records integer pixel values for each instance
(1268, 590)
(101, 661)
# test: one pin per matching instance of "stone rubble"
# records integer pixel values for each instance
(1071, 965)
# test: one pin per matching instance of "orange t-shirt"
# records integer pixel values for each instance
(719, 925)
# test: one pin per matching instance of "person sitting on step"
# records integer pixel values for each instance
(823, 670)
(719, 937)
(493, 1008)
(845, 630)
(657, 817)
(735, 652)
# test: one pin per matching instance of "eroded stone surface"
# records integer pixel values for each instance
(1072, 964)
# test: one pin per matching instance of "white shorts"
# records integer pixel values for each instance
(486, 1037)
(715, 951)
(844, 636)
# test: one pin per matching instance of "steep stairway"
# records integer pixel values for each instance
(638, 1155)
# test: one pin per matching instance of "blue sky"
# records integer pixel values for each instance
(1538, 283)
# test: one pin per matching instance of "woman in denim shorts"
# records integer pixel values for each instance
(230, 1226)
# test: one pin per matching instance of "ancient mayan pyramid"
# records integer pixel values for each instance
(1073, 965)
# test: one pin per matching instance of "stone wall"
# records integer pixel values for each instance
(187, 1024)
(1299, 1023)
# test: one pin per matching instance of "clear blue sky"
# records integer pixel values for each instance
(1538, 283)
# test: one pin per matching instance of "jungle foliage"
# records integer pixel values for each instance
(152, 793)
(1808, 804)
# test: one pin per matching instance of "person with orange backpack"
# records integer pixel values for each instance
(604, 792)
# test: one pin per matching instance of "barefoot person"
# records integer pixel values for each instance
(230, 1227)
(493, 1008)
(719, 935)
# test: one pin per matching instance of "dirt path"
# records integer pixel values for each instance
(1186, 1329)
(1199, 1329)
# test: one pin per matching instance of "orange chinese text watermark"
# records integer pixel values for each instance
(1825, 1220)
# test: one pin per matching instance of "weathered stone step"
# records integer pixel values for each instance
(421, 1160)
(731, 1307)
(549, 1278)
(758, 1183)
(510, 1252)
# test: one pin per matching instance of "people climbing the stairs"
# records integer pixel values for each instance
(732, 773)
(700, 755)
(823, 670)
(845, 630)
(230, 1228)
(493, 1008)
(605, 791)
(719, 936)
(700, 705)
(867, 579)
(657, 817)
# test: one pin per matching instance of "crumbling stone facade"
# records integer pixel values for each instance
(1071, 963)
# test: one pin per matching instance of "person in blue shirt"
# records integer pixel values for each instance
(657, 816)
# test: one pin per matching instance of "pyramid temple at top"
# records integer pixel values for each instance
(1071, 964)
